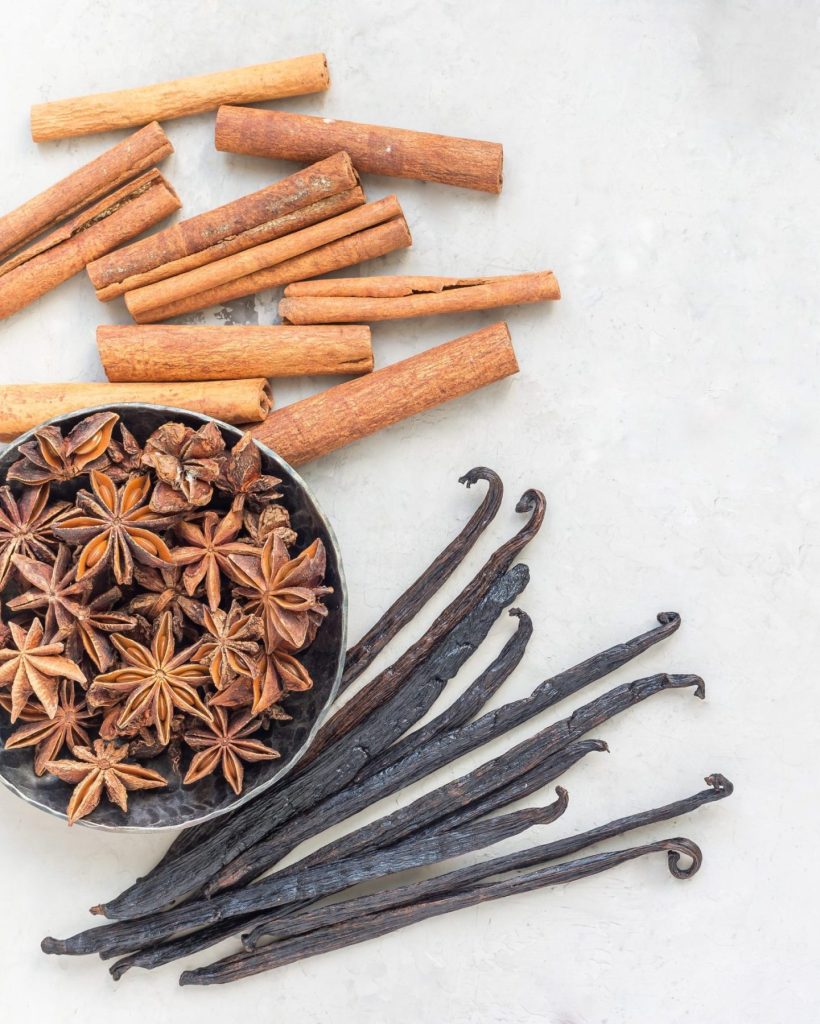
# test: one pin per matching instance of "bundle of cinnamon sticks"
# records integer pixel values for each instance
(288, 233)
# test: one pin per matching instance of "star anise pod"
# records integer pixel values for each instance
(187, 464)
(117, 527)
(208, 551)
(282, 590)
(101, 769)
(32, 711)
(26, 526)
(231, 646)
(225, 744)
(81, 624)
(50, 456)
(124, 456)
(35, 667)
(240, 473)
(163, 590)
(277, 673)
(153, 682)
(50, 735)
(270, 519)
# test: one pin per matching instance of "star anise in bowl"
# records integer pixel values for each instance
(171, 617)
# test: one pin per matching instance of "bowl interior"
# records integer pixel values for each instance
(186, 805)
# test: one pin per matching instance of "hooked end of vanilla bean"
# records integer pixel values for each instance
(118, 969)
(720, 784)
(700, 687)
(472, 476)
(671, 619)
(677, 848)
(532, 500)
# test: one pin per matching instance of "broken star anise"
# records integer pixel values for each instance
(50, 456)
(282, 590)
(117, 527)
(153, 682)
(26, 526)
(163, 590)
(35, 667)
(240, 474)
(270, 519)
(186, 462)
(49, 735)
(101, 769)
(208, 552)
(225, 744)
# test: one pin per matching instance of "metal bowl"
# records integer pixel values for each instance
(178, 805)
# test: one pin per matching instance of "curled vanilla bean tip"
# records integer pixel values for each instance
(562, 802)
(117, 970)
(532, 500)
(720, 783)
(519, 613)
(600, 745)
(678, 848)
(472, 476)
(669, 619)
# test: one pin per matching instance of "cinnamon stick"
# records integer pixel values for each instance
(324, 189)
(102, 112)
(344, 413)
(362, 299)
(374, 149)
(23, 406)
(105, 173)
(97, 230)
(354, 248)
(167, 352)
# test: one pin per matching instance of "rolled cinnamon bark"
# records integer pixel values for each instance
(324, 189)
(171, 352)
(349, 411)
(260, 257)
(361, 299)
(132, 209)
(374, 149)
(345, 252)
(23, 406)
(107, 172)
(101, 112)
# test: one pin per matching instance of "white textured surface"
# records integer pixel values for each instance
(663, 160)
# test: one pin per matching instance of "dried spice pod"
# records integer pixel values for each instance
(360, 928)
(385, 684)
(463, 878)
(406, 607)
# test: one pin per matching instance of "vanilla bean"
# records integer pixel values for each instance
(265, 854)
(458, 713)
(321, 880)
(388, 682)
(362, 654)
(187, 873)
(283, 925)
(372, 925)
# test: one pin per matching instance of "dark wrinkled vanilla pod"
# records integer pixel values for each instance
(359, 929)
(187, 873)
(388, 682)
(321, 880)
(284, 924)
(362, 654)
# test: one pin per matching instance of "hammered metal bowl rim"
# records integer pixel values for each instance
(343, 610)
